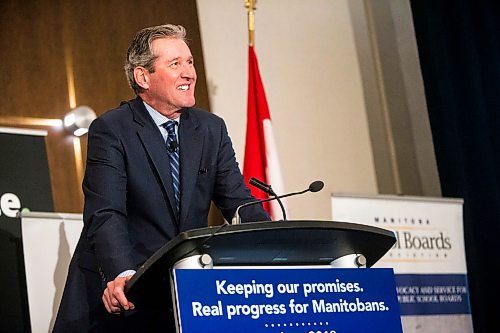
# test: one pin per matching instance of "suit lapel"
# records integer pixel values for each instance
(191, 146)
(154, 145)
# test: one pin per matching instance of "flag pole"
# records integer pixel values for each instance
(261, 158)
(250, 5)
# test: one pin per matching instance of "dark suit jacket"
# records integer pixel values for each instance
(129, 208)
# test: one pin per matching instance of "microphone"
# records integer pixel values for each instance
(315, 186)
(173, 146)
(261, 186)
(267, 189)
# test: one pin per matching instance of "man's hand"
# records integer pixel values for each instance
(114, 298)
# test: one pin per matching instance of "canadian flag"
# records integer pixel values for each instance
(261, 157)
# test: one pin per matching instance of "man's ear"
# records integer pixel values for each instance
(141, 76)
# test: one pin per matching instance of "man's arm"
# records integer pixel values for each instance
(230, 189)
(105, 212)
(113, 296)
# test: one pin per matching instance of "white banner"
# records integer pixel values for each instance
(49, 241)
(428, 258)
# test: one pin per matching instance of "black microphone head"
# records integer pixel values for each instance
(316, 186)
(255, 182)
(174, 145)
(261, 186)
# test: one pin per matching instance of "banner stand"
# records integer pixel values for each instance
(428, 257)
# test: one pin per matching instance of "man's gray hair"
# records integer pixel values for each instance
(140, 52)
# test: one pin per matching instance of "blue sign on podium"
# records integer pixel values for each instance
(290, 300)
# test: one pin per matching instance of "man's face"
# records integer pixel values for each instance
(171, 86)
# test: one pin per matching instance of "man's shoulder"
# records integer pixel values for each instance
(119, 119)
(203, 116)
(119, 112)
(127, 114)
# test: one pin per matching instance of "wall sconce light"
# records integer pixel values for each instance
(78, 120)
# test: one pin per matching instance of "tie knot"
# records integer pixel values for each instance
(170, 126)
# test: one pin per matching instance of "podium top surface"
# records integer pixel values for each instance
(267, 244)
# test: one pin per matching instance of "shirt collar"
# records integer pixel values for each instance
(158, 118)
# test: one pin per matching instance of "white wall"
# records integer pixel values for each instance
(309, 66)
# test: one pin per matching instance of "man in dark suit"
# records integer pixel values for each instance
(145, 182)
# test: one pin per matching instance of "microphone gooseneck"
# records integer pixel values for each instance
(313, 187)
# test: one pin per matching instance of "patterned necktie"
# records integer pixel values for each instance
(173, 153)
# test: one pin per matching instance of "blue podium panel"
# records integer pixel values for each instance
(287, 300)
